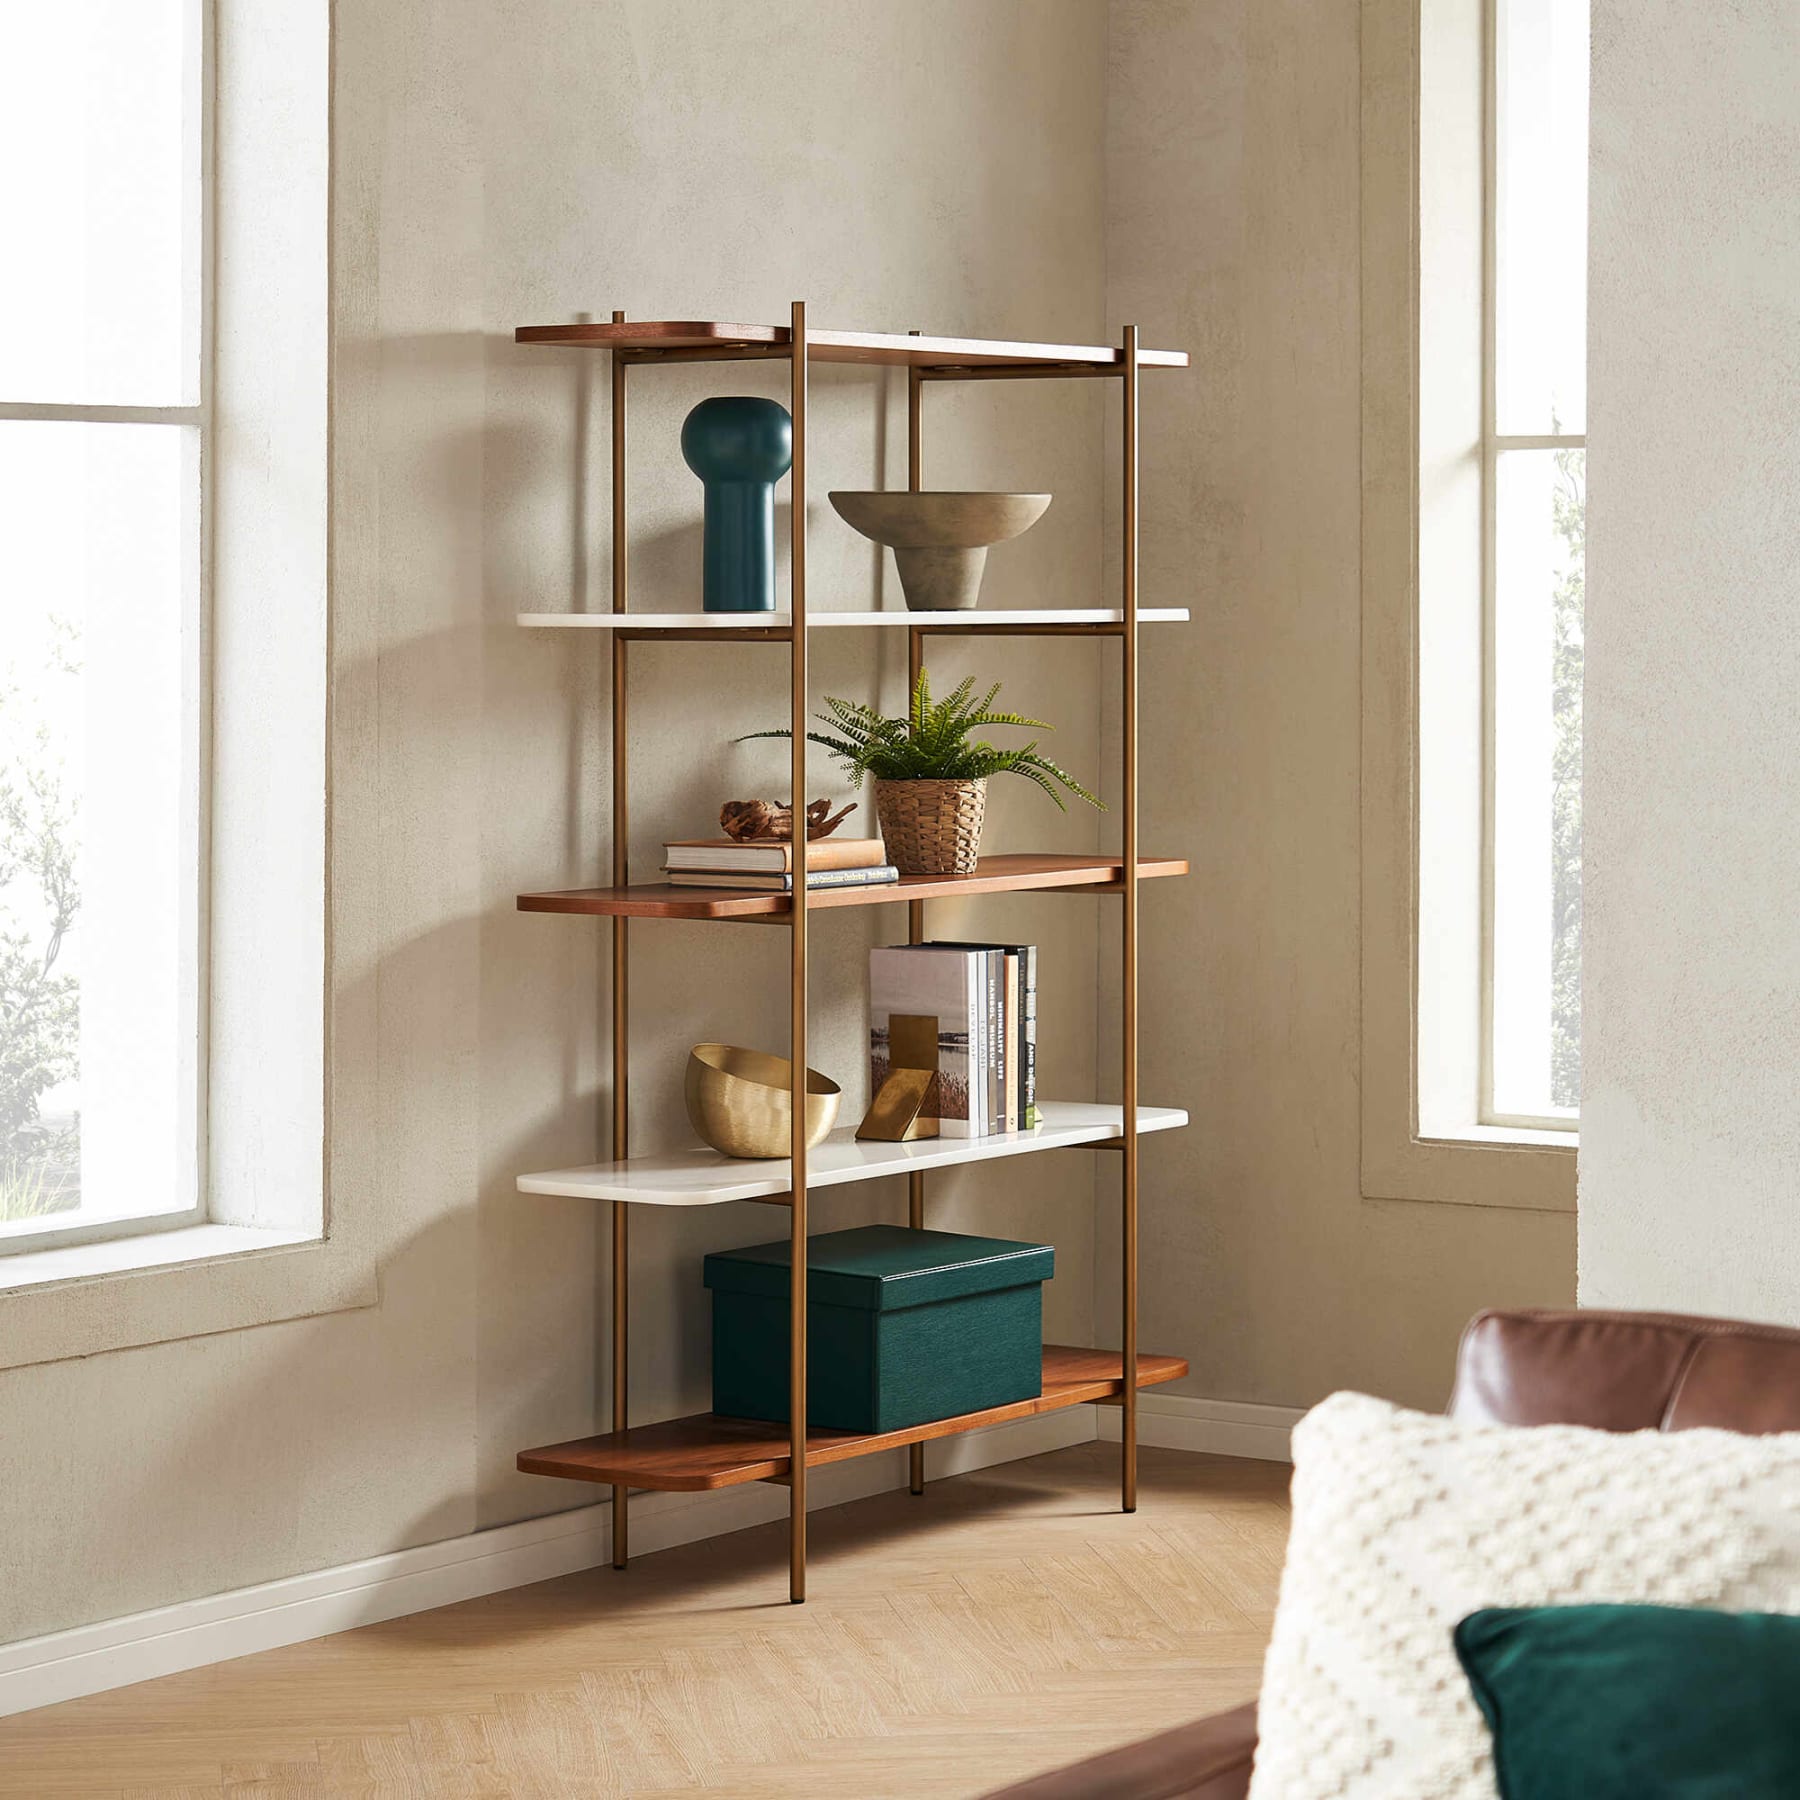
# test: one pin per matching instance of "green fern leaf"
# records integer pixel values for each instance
(933, 741)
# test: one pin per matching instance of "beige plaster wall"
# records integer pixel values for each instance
(1233, 228)
(1691, 1031)
(1190, 167)
(497, 163)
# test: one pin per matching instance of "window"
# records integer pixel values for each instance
(164, 533)
(1534, 479)
(1502, 352)
(1473, 190)
(104, 419)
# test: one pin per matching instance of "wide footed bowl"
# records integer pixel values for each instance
(741, 1103)
(940, 520)
(940, 540)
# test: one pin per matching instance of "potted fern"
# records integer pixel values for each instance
(930, 774)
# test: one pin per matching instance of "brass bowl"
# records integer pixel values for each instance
(741, 1102)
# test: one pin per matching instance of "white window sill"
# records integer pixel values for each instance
(1504, 1134)
(84, 1299)
(144, 1250)
(1513, 1167)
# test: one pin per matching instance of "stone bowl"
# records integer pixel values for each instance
(740, 1102)
(940, 540)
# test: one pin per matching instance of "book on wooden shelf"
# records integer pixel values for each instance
(883, 876)
(772, 856)
(916, 988)
(1015, 1032)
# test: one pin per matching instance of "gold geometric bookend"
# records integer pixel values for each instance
(904, 1107)
(897, 1114)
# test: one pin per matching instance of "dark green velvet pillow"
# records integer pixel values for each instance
(1637, 1702)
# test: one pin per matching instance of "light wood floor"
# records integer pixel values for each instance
(1009, 1621)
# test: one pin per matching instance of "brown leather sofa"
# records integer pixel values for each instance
(1614, 1371)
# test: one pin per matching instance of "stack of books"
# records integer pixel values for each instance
(769, 863)
(984, 999)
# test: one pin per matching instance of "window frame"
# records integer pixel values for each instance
(1411, 1149)
(297, 610)
(1495, 444)
(24, 1237)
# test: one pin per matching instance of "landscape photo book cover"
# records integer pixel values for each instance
(916, 980)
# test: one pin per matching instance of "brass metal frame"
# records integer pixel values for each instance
(915, 909)
(795, 636)
(995, 625)
(1128, 994)
(621, 966)
(797, 970)
(724, 351)
(1054, 371)
(749, 634)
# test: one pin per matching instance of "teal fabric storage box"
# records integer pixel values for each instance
(902, 1327)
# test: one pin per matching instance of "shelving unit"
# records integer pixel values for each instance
(708, 1451)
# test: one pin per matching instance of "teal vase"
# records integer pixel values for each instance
(740, 447)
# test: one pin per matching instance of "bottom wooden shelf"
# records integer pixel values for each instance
(709, 1451)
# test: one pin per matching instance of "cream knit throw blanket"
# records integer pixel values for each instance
(1404, 1522)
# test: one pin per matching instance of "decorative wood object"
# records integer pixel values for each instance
(712, 1452)
(752, 821)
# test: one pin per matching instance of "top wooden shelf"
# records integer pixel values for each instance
(997, 621)
(711, 340)
(1017, 873)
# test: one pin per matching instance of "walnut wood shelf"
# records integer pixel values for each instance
(642, 341)
(709, 1451)
(993, 875)
(776, 627)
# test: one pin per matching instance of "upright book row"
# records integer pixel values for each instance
(969, 1011)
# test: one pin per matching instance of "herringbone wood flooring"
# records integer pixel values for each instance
(1009, 1621)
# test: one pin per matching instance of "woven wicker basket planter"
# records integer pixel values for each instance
(931, 827)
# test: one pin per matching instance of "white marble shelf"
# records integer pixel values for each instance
(973, 619)
(701, 1177)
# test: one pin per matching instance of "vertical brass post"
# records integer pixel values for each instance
(915, 909)
(797, 968)
(621, 961)
(915, 417)
(1129, 933)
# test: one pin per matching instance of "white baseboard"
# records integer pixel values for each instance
(1214, 1427)
(114, 1653)
(90, 1659)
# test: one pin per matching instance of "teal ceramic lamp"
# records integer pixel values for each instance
(740, 447)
